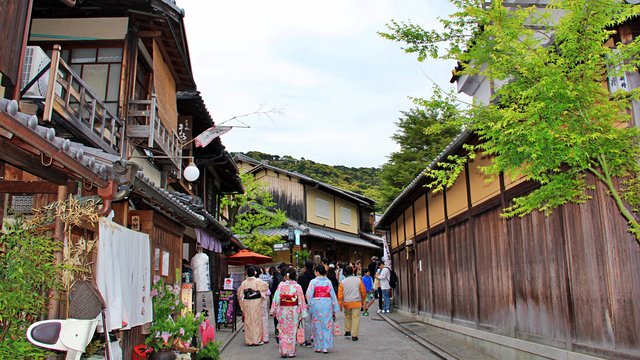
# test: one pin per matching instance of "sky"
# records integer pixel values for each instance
(340, 86)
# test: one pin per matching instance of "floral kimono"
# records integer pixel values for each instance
(323, 304)
(252, 309)
(288, 307)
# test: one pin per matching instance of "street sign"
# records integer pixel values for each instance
(297, 236)
(281, 247)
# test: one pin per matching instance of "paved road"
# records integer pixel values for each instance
(378, 340)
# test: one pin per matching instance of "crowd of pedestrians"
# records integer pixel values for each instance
(304, 305)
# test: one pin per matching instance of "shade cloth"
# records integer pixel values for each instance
(123, 275)
(248, 257)
(208, 240)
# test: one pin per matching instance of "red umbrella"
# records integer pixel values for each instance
(246, 257)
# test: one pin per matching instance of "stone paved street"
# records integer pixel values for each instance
(377, 340)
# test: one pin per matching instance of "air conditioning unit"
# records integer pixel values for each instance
(35, 60)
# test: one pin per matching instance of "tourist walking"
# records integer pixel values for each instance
(351, 295)
(252, 294)
(323, 305)
(304, 281)
(331, 275)
(367, 280)
(384, 276)
(276, 279)
(289, 307)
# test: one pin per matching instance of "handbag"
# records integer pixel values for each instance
(336, 328)
(300, 333)
(250, 294)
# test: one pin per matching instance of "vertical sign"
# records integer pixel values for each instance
(226, 309)
(204, 304)
(185, 130)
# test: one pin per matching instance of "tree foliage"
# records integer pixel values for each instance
(422, 133)
(551, 118)
(27, 271)
(361, 180)
(252, 212)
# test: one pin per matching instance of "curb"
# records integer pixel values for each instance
(226, 342)
(430, 346)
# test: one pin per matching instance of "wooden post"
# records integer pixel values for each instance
(51, 87)
(54, 296)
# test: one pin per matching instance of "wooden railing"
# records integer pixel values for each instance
(143, 121)
(87, 116)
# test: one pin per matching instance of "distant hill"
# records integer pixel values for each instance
(362, 180)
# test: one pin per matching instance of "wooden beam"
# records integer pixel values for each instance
(28, 187)
(149, 34)
(31, 163)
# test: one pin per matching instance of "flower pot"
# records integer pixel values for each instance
(163, 355)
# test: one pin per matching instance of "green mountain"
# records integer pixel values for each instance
(362, 180)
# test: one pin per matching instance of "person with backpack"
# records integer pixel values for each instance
(384, 276)
(393, 281)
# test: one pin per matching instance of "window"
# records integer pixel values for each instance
(345, 216)
(322, 208)
(100, 69)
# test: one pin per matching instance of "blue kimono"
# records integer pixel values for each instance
(323, 304)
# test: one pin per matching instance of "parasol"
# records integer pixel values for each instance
(246, 257)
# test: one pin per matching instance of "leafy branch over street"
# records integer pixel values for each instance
(551, 119)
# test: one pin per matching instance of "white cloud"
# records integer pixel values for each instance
(342, 85)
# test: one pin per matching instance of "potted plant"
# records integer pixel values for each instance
(173, 325)
(211, 351)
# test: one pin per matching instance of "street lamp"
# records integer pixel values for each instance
(190, 173)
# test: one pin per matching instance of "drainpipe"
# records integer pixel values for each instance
(58, 234)
(107, 194)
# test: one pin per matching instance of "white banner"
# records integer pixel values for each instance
(207, 136)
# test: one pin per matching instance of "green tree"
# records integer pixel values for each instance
(251, 213)
(552, 120)
(422, 134)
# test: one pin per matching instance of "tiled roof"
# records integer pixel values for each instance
(324, 233)
(417, 181)
(81, 154)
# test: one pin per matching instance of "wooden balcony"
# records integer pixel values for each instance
(143, 122)
(82, 113)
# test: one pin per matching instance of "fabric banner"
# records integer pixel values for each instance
(208, 241)
(123, 275)
(211, 133)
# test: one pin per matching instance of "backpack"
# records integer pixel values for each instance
(393, 281)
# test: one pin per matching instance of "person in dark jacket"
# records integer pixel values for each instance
(331, 275)
(304, 281)
(276, 280)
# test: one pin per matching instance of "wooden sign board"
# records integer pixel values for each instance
(185, 130)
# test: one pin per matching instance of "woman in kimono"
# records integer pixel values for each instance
(289, 307)
(323, 305)
(252, 306)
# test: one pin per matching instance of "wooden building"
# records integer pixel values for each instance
(559, 286)
(333, 223)
(98, 99)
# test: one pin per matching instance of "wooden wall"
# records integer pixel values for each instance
(569, 280)
(165, 235)
(287, 192)
(13, 21)
(165, 89)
